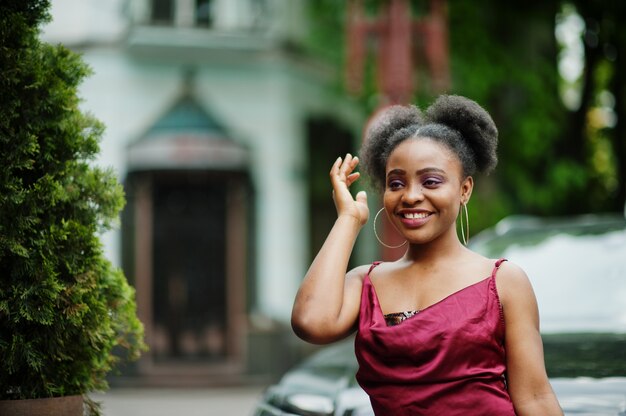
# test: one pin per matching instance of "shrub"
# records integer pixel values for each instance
(63, 307)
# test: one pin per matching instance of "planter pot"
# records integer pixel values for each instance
(53, 406)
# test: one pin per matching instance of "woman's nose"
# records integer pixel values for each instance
(413, 194)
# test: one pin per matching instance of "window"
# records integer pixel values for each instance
(162, 11)
(203, 13)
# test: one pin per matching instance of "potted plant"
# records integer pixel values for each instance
(66, 314)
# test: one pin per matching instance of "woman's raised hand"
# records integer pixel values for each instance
(327, 304)
(342, 175)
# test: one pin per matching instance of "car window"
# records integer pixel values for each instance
(579, 280)
(578, 273)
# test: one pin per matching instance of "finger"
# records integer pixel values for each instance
(335, 167)
(352, 178)
(362, 197)
(334, 171)
(351, 164)
(346, 166)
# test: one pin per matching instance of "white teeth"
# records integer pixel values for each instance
(415, 215)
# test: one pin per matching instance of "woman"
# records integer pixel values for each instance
(442, 330)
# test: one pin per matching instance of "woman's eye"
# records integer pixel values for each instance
(394, 184)
(430, 183)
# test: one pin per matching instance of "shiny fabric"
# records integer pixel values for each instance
(447, 360)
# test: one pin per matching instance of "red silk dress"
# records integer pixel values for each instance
(447, 359)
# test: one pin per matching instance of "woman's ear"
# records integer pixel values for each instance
(466, 189)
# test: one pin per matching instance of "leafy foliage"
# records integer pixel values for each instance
(63, 307)
(505, 56)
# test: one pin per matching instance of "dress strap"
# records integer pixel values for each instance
(497, 266)
(376, 263)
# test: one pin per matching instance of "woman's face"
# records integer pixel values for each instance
(424, 189)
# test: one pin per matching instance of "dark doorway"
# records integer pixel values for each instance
(326, 140)
(189, 263)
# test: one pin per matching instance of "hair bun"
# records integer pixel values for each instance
(383, 129)
(389, 120)
(473, 123)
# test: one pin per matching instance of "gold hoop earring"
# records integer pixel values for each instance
(376, 233)
(464, 228)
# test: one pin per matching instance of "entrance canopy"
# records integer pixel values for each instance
(186, 137)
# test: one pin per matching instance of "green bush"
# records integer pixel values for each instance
(63, 307)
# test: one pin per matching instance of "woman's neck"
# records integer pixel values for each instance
(441, 248)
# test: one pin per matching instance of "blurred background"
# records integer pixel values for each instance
(224, 116)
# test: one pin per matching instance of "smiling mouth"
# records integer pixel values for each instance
(415, 215)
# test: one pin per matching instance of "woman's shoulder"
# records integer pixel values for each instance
(509, 272)
(376, 269)
(505, 272)
(361, 271)
(512, 281)
(501, 268)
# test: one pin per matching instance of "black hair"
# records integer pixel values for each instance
(459, 123)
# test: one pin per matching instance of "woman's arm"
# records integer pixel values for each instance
(527, 380)
(327, 304)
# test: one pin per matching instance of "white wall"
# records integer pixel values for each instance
(81, 21)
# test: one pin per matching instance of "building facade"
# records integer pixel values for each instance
(219, 129)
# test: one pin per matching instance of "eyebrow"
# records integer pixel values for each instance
(419, 172)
